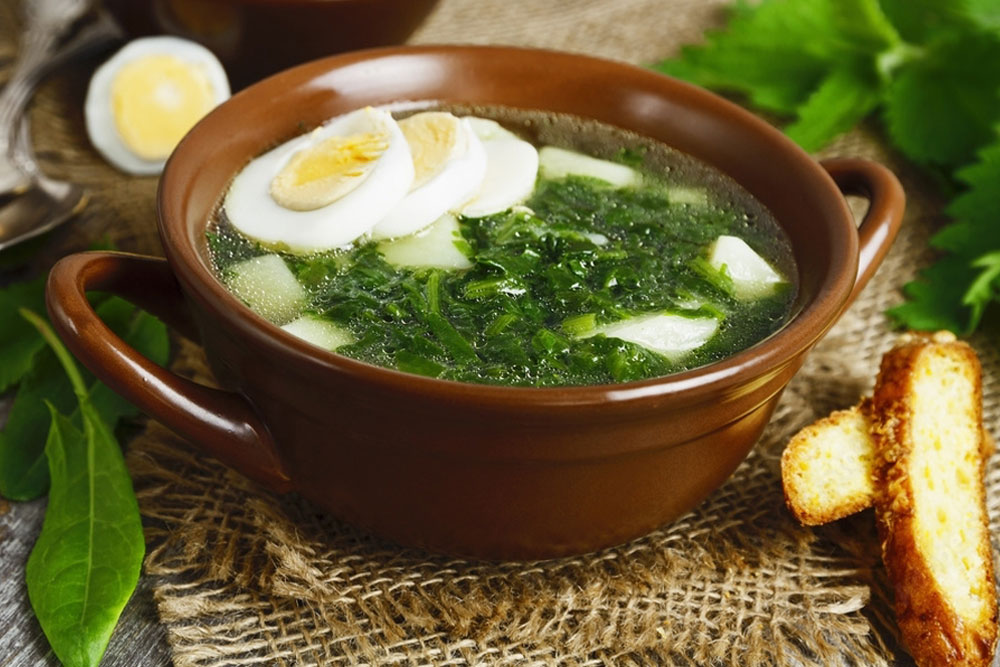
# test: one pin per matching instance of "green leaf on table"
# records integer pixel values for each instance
(984, 289)
(934, 299)
(19, 342)
(920, 20)
(843, 98)
(941, 107)
(745, 57)
(954, 292)
(815, 59)
(976, 211)
(85, 564)
(24, 474)
(984, 13)
(23, 471)
(142, 331)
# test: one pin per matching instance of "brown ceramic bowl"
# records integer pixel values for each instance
(490, 471)
(254, 38)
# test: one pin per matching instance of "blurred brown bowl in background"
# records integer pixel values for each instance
(255, 38)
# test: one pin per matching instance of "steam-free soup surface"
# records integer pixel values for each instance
(583, 283)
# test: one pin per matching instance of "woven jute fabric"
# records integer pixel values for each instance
(246, 578)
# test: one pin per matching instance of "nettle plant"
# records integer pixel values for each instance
(928, 71)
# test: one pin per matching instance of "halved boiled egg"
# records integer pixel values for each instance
(511, 170)
(449, 164)
(143, 100)
(324, 189)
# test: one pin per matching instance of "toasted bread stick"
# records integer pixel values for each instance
(828, 468)
(930, 500)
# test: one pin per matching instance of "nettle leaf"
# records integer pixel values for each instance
(846, 96)
(955, 292)
(861, 26)
(942, 106)
(777, 80)
(984, 288)
(978, 206)
(918, 20)
(86, 561)
(984, 13)
(935, 298)
(762, 53)
(812, 58)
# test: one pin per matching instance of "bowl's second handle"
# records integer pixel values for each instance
(886, 202)
(222, 423)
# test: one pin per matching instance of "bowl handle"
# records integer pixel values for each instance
(223, 423)
(886, 201)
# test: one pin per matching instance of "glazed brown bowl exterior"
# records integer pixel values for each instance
(498, 472)
(255, 38)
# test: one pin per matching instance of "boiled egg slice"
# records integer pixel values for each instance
(143, 100)
(449, 164)
(324, 189)
(511, 170)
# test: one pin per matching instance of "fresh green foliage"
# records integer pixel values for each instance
(85, 564)
(954, 292)
(581, 254)
(18, 341)
(24, 473)
(928, 69)
(23, 470)
(816, 59)
(942, 104)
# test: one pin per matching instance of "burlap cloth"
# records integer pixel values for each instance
(245, 578)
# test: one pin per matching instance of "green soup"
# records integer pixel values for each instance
(583, 283)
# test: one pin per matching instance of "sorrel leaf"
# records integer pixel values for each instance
(19, 342)
(23, 471)
(85, 564)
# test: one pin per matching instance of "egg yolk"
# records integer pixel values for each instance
(323, 173)
(155, 100)
(434, 138)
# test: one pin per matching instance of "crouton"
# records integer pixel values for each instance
(930, 500)
(826, 469)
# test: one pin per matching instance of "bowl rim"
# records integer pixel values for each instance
(765, 358)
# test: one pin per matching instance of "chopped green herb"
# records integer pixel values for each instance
(578, 254)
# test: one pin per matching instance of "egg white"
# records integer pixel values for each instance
(251, 209)
(97, 109)
(668, 334)
(457, 182)
(511, 170)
